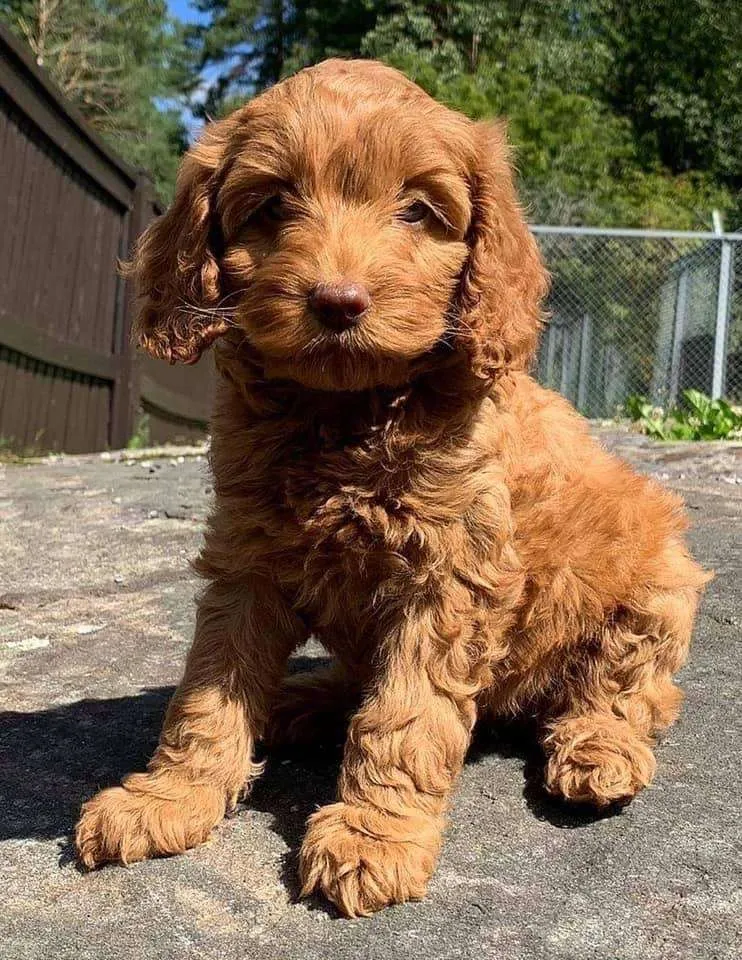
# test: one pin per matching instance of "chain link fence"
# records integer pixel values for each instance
(636, 312)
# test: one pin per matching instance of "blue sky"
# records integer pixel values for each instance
(183, 11)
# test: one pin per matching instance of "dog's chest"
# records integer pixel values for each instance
(354, 523)
(347, 505)
(341, 518)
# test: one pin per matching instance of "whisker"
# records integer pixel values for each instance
(219, 312)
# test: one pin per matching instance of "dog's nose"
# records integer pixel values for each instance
(339, 305)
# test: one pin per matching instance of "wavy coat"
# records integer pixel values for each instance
(403, 490)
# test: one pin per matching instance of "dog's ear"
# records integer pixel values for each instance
(504, 280)
(175, 265)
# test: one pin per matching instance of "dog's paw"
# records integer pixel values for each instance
(147, 817)
(355, 869)
(596, 761)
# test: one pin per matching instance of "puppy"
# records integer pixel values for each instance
(388, 478)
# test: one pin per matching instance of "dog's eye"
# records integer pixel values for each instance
(273, 209)
(416, 212)
(267, 214)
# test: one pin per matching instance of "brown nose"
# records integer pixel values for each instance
(339, 305)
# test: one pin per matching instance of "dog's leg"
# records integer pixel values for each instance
(244, 635)
(312, 707)
(379, 844)
(599, 739)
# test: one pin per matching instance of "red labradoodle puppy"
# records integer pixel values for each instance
(390, 479)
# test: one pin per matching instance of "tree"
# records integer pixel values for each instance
(245, 40)
(621, 113)
(676, 74)
(121, 63)
(251, 44)
(556, 71)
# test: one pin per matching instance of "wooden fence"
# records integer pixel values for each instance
(70, 208)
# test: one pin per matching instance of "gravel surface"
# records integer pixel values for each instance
(96, 613)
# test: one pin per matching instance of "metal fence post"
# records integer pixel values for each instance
(550, 352)
(566, 358)
(583, 379)
(722, 319)
(681, 299)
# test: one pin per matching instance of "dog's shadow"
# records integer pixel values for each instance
(52, 760)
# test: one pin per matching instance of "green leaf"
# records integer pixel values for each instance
(698, 402)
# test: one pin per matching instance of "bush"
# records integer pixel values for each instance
(699, 418)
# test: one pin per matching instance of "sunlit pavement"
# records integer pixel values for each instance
(96, 614)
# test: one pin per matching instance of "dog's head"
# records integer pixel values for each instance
(353, 228)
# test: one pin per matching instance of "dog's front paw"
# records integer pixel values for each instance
(147, 817)
(350, 856)
(597, 761)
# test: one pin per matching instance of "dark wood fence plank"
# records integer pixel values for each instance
(103, 416)
(70, 378)
(7, 388)
(35, 96)
(104, 294)
(127, 386)
(46, 376)
(34, 262)
(38, 254)
(30, 428)
(74, 432)
(80, 229)
(21, 400)
(82, 438)
(11, 164)
(59, 402)
(20, 190)
(48, 318)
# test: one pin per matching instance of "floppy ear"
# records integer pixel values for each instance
(175, 264)
(504, 280)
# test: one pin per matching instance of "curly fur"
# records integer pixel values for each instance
(403, 490)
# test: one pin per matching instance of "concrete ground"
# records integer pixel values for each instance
(96, 614)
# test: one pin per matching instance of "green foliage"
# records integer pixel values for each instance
(141, 437)
(699, 418)
(674, 72)
(14, 451)
(637, 408)
(550, 68)
(254, 43)
(622, 113)
(122, 63)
